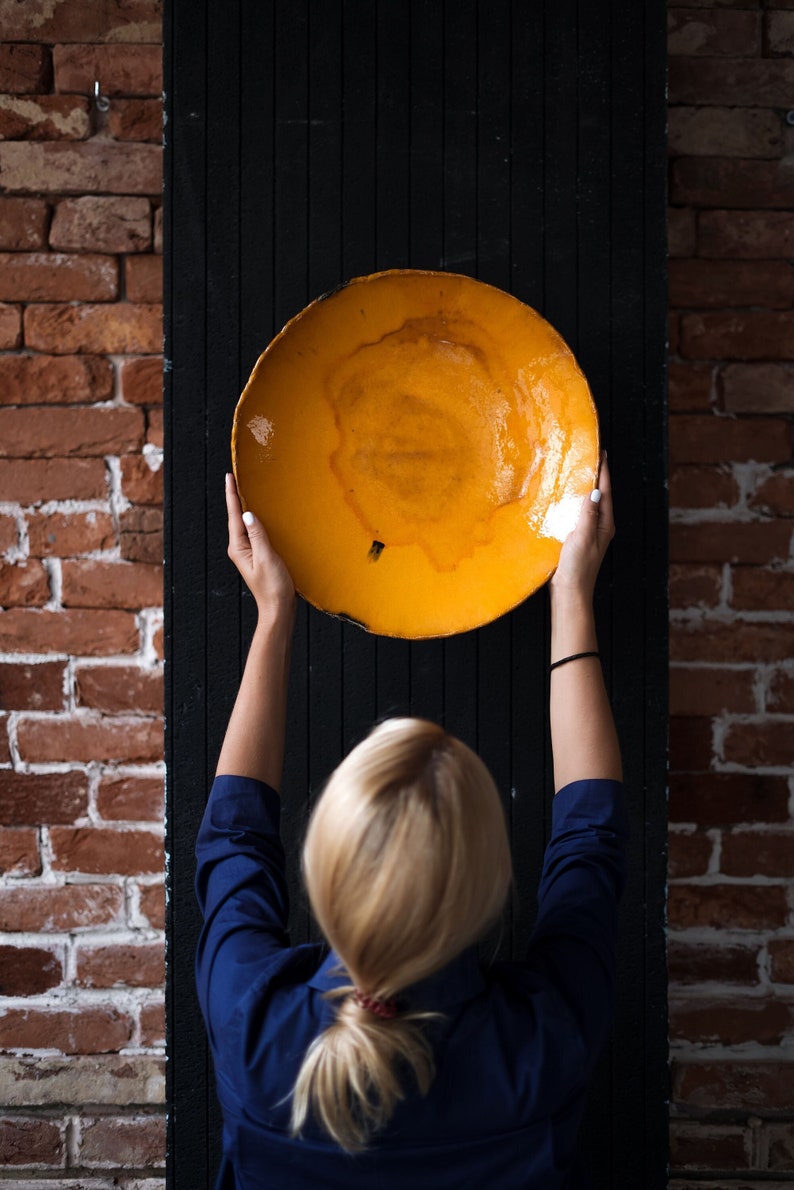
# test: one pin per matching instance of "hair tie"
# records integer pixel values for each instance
(385, 1009)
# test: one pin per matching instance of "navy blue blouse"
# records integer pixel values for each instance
(514, 1049)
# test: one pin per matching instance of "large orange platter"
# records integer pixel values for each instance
(418, 445)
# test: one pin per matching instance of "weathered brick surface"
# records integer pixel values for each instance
(111, 584)
(52, 21)
(48, 277)
(25, 69)
(116, 328)
(31, 1142)
(41, 798)
(136, 120)
(101, 224)
(23, 224)
(757, 388)
(93, 1030)
(26, 686)
(727, 131)
(100, 166)
(44, 117)
(135, 1143)
(119, 689)
(101, 850)
(28, 970)
(140, 966)
(142, 381)
(82, 632)
(729, 182)
(54, 379)
(87, 739)
(66, 534)
(38, 481)
(134, 799)
(128, 70)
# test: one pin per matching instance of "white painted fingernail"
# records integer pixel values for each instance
(595, 496)
(248, 518)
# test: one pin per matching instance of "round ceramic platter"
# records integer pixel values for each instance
(418, 445)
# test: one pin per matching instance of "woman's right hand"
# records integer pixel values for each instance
(584, 548)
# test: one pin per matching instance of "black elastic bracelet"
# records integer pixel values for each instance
(573, 657)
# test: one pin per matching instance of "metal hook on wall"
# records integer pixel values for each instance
(102, 102)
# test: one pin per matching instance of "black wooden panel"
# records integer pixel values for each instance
(310, 141)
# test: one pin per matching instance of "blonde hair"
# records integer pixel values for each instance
(406, 863)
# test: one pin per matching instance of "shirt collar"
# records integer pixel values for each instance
(460, 980)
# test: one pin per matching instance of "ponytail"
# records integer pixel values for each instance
(349, 1077)
(406, 863)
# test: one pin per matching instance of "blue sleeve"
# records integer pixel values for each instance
(584, 872)
(242, 893)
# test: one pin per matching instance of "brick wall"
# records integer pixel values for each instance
(81, 781)
(80, 586)
(732, 593)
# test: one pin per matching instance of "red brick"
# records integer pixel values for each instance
(688, 854)
(23, 223)
(142, 535)
(153, 1025)
(66, 534)
(711, 691)
(154, 428)
(31, 1142)
(142, 381)
(28, 970)
(153, 905)
(727, 131)
(10, 327)
(26, 686)
(747, 235)
(740, 541)
(115, 328)
(23, 584)
(60, 20)
(140, 484)
(93, 1030)
(781, 954)
(757, 388)
(713, 33)
(690, 744)
(55, 277)
(780, 1146)
(757, 853)
(762, 590)
(754, 744)
(680, 232)
(9, 533)
(131, 799)
(37, 799)
(672, 332)
(105, 851)
(19, 852)
(44, 117)
(727, 906)
(34, 481)
(54, 910)
(780, 698)
(737, 81)
(144, 278)
(95, 165)
(737, 1085)
(102, 224)
(140, 966)
(727, 799)
(125, 1142)
(136, 119)
(775, 496)
(697, 963)
(55, 379)
(41, 433)
(689, 386)
(124, 69)
(694, 586)
(779, 34)
(715, 640)
(25, 69)
(729, 182)
(747, 335)
(111, 584)
(5, 751)
(120, 689)
(731, 1022)
(127, 741)
(709, 1146)
(702, 487)
(158, 230)
(83, 633)
(158, 644)
(702, 284)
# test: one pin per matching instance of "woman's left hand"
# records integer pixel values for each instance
(262, 570)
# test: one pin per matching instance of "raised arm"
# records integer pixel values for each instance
(254, 741)
(583, 736)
